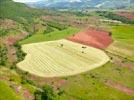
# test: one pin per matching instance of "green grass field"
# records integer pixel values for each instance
(124, 33)
(7, 93)
(123, 41)
(91, 85)
(40, 37)
(50, 59)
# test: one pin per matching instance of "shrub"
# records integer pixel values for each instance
(3, 55)
(20, 54)
(48, 30)
(47, 93)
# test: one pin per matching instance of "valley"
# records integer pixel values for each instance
(57, 53)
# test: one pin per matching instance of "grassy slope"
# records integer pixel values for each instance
(124, 40)
(85, 87)
(7, 93)
(16, 11)
(124, 33)
(50, 36)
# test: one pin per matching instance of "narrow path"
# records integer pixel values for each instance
(120, 87)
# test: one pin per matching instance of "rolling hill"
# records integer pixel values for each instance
(82, 4)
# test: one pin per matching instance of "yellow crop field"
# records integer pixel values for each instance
(60, 58)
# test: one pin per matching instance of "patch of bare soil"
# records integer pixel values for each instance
(9, 41)
(7, 24)
(21, 90)
(93, 37)
(11, 54)
(120, 87)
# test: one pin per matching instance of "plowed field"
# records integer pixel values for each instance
(92, 37)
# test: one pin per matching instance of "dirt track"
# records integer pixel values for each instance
(120, 87)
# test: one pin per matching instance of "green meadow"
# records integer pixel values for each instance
(7, 93)
(40, 37)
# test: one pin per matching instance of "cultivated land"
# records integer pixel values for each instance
(21, 25)
(61, 58)
(93, 37)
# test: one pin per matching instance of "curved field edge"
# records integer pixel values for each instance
(50, 59)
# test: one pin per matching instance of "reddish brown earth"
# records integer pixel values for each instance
(128, 15)
(92, 37)
(120, 87)
(9, 41)
(27, 95)
(21, 90)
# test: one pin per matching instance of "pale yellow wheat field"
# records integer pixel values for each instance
(60, 58)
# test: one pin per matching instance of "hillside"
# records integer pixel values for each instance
(17, 11)
(50, 54)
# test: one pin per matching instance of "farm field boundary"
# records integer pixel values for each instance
(60, 58)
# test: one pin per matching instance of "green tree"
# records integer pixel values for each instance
(3, 55)
(47, 93)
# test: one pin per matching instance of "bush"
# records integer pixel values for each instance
(61, 92)
(3, 55)
(20, 54)
(3, 32)
(47, 93)
(48, 30)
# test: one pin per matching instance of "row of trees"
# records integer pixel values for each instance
(113, 16)
(3, 55)
(45, 93)
(20, 54)
(56, 25)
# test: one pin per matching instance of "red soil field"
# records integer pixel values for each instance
(92, 37)
(128, 15)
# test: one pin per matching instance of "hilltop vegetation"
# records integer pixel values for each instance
(16, 11)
